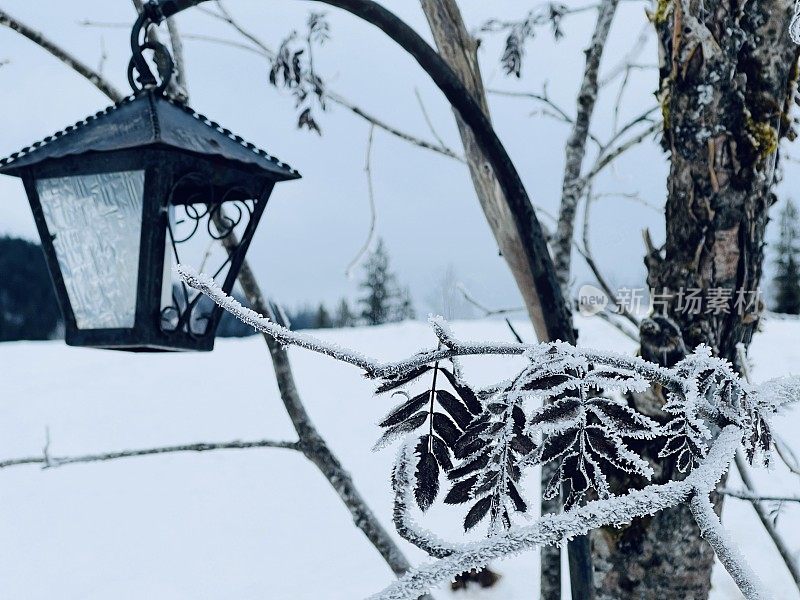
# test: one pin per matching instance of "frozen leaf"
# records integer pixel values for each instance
(401, 428)
(447, 430)
(391, 384)
(426, 486)
(442, 453)
(405, 410)
(454, 407)
(557, 444)
(461, 491)
(477, 513)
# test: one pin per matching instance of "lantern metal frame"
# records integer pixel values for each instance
(187, 161)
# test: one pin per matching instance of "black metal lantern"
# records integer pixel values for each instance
(121, 196)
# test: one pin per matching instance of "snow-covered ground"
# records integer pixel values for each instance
(253, 524)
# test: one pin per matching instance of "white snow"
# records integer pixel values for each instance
(256, 524)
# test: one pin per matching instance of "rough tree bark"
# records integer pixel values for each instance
(728, 73)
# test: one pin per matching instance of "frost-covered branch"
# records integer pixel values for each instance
(782, 392)
(376, 369)
(49, 462)
(551, 529)
(483, 439)
(725, 548)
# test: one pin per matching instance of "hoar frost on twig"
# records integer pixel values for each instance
(566, 405)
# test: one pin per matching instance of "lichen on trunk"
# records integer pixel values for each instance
(727, 78)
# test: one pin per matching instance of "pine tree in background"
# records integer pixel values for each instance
(380, 288)
(323, 318)
(405, 306)
(344, 315)
(787, 277)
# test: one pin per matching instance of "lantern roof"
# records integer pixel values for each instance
(148, 118)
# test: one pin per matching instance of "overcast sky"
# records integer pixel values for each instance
(427, 210)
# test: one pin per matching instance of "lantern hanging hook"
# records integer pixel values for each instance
(140, 77)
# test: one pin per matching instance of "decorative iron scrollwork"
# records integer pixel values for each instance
(221, 219)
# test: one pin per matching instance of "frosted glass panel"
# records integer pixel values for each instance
(95, 222)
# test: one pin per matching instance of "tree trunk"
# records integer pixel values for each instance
(459, 49)
(727, 81)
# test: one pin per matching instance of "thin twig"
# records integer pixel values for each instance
(487, 312)
(261, 48)
(559, 113)
(769, 526)
(49, 461)
(750, 496)
(609, 157)
(63, 55)
(786, 455)
(373, 215)
(356, 110)
(586, 253)
(427, 118)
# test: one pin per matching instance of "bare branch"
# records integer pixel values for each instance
(576, 144)
(559, 113)
(61, 54)
(608, 318)
(342, 101)
(751, 497)
(487, 312)
(427, 118)
(259, 47)
(786, 455)
(586, 252)
(609, 157)
(630, 57)
(372, 210)
(728, 554)
(59, 461)
(177, 53)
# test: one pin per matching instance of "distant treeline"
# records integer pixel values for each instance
(29, 309)
(382, 300)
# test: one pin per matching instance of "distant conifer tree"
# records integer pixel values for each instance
(787, 276)
(405, 306)
(323, 320)
(344, 315)
(380, 288)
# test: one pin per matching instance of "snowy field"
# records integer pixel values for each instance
(254, 524)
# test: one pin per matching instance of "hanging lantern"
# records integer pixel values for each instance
(122, 196)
